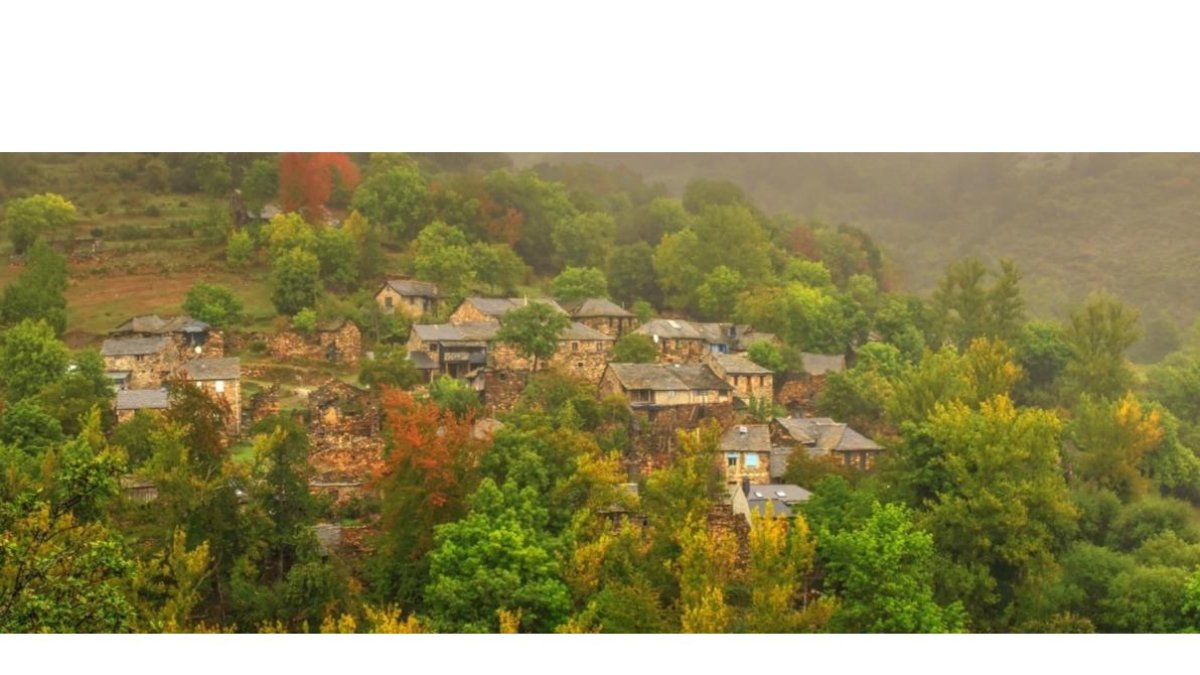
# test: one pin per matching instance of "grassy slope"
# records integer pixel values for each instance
(141, 275)
(1073, 223)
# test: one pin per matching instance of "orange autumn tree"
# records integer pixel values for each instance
(429, 469)
(307, 179)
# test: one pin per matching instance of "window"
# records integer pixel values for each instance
(731, 459)
(599, 347)
(387, 302)
(219, 385)
(574, 346)
(752, 460)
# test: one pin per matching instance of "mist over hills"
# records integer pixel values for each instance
(1126, 223)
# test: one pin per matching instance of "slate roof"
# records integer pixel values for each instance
(475, 332)
(595, 307)
(578, 331)
(413, 288)
(226, 368)
(667, 377)
(781, 496)
(715, 333)
(736, 364)
(828, 435)
(498, 307)
(134, 346)
(671, 329)
(156, 325)
(819, 364)
(793, 427)
(142, 399)
(756, 439)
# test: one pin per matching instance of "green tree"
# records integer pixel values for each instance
(28, 218)
(213, 174)
(390, 368)
(701, 193)
(718, 295)
(543, 205)
(806, 317)
(496, 558)
(630, 273)
(579, 283)
(260, 184)
(441, 255)
(1113, 437)
(533, 330)
(965, 309)
(212, 303)
(882, 574)
(84, 387)
(766, 355)
(585, 240)
(454, 395)
(498, 266)
(295, 281)
(239, 250)
(30, 358)
(1098, 334)
(635, 348)
(39, 290)
(338, 253)
(396, 198)
(26, 426)
(288, 231)
(305, 321)
(995, 501)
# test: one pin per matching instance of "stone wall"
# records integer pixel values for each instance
(654, 438)
(501, 389)
(615, 326)
(584, 359)
(799, 394)
(412, 306)
(682, 351)
(343, 345)
(148, 371)
(467, 313)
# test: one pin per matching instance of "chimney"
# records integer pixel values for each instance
(746, 485)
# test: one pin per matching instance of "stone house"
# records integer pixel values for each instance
(582, 352)
(190, 337)
(476, 309)
(602, 314)
(665, 398)
(221, 379)
(140, 362)
(678, 341)
(338, 341)
(783, 499)
(408, 296)
(458, 350)
(747, 378)
(746, 449)
(129, 401)
(823, 437)
(336, 408)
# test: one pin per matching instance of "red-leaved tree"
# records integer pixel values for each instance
(429, 471)
(307, 179)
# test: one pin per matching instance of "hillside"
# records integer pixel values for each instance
(1073, 223)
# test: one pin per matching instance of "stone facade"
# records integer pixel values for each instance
(746, 453)
(747, 378)
(474, 309)
(602, 315)
(344, 433)
(150, 361)
(339, 343)
(414, 299)
(221, 379)
(501, 389)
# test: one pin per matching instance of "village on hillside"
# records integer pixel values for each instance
(352, 392)
(700, 375)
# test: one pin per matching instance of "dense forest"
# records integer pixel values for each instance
(1073, 222)
(1034, 478)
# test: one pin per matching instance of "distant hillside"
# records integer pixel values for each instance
(1074, 223)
